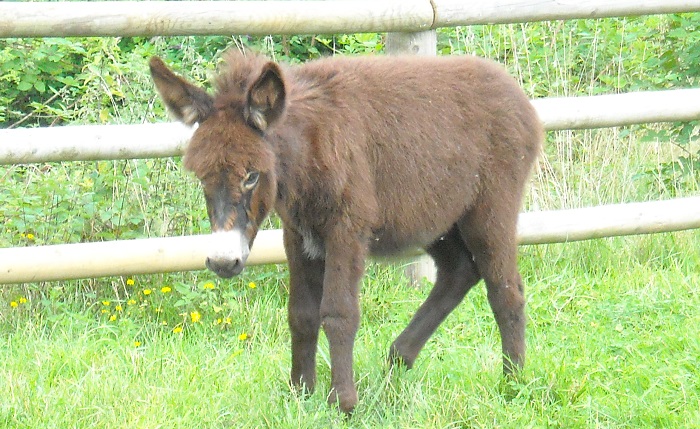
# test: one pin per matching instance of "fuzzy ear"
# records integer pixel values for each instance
(188, 103)
(266, 98)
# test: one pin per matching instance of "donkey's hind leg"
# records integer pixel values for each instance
(456, 274)
(490, 235)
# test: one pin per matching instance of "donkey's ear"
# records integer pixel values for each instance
(188, 103)
(266, 98)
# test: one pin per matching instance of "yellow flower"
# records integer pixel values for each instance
(243, 336)
(219, 321)
(112, 318)
(227, 321)
(129, 282)
(137, 343)
(147, 291)
(118, 308)
(131, 302)
(30, 236)
(177, 329)
(252, 285)
(104, 311)
(208, 285)
(13, 304)
(106, 303)
(165, 289)
(195, 316)
(22, 300)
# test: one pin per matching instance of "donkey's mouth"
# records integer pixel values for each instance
(225, 268)
(230, 250)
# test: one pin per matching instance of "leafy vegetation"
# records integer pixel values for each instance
(612, 323)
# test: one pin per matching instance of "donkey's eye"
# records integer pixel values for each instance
(251, 179)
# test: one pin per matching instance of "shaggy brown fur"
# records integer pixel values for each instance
(367, 156)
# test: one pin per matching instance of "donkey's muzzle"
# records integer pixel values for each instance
(229, 252)
(226, 268)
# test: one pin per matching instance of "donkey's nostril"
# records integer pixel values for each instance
(237, 266)
(225, 267)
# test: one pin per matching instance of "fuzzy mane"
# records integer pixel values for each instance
(237, 72)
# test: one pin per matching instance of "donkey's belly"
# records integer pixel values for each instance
(414, 223)
(388, 244)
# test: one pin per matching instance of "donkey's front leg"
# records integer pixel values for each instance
(340, 315)
(305, 289)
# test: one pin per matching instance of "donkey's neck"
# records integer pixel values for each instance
(294, 162)
(301, 142)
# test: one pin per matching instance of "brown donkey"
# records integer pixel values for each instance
(365, 156)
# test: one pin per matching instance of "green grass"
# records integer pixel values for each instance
(612, 333)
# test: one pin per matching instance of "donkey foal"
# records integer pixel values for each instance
(365, 156)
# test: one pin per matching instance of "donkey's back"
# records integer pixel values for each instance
(434, 136)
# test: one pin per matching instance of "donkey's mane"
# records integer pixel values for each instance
(237, 72)
(240, 67)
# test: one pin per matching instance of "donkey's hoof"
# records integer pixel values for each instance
(346, 399)
(302, 387)
(396, 358)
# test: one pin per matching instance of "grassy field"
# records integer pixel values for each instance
(612, 331)
(613, 328)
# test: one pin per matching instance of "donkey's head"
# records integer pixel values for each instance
(228, 151)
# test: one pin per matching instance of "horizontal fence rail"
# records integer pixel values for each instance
(154, 18)
(92, 142)
(459, 12)
(599, 111)
(123, 257)
(158, 255)
(103, 142)
(174, 18)
(562, 226)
